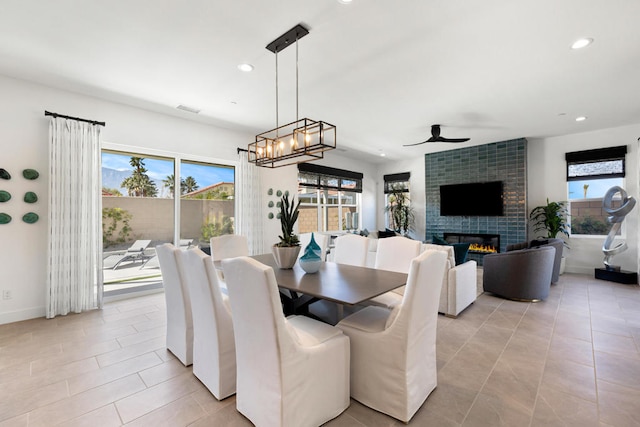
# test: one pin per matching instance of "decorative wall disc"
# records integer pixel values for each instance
(30, 174)
(270, 216)
(30, 217)
(270, 203)
(4, 196)
(4, 174)
(279, 193)
(5, 218)
(270, 192)
(30, 197)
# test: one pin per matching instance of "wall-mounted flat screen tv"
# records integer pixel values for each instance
(474, 199)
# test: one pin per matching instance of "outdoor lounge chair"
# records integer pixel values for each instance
(135, 252)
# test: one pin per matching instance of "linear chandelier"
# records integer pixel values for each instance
(303, 140)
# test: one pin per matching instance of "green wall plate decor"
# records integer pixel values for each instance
(4, 174)
(4, 196)
(270, 203)
(30, 174)
(270, 192)
(30, 217)
(5, 218)
(270, 216)
(279, 193)
(30, 197)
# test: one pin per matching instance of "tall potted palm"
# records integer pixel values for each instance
(401, 216)
(286, 251)
(551, 219)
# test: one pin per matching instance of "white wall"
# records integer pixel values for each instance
(547, 178)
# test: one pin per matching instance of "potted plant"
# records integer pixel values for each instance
(286, 251)
(552, 220)
(401, 213)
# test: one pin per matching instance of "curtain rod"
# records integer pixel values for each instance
(243, 150)
(93, 122)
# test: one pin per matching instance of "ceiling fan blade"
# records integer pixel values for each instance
(417, 143)
(441, 139)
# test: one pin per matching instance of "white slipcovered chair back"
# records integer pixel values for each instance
(321, 239)
(396, 253)
(393, 352)
(228, 246)
(351, 249)
(290, 372)
(214, 350)
(179, 317)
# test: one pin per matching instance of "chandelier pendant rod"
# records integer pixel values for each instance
(297, 85)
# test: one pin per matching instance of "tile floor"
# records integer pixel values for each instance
(571, 360)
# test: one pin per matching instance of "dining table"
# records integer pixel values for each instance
(339, 283)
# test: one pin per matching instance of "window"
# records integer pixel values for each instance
(396, 195)
(590, 174)
(330, 198)
(141, 200)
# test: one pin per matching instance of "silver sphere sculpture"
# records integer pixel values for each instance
(616, 216)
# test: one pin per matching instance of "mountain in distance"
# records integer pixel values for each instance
(112, 178)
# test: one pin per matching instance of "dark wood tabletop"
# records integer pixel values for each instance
(344, 284)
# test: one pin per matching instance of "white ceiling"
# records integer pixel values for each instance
(382, 71)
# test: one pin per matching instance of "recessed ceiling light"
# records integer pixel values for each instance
(245, 67)
(382, 155)
(345, 1)
(580, 43)
(581, 119)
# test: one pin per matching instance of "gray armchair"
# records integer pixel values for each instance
(523, 275)
(556, 243)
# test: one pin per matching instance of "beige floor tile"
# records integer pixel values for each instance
(572, 349)
(571, 378)
(107, 416)
(619, 405)
(72, 352)
(131, 351)
(20, 402)
(365, 416)
(163, 372)
(451, 402)
(19, 421)
(555, 408)
(209, 403)
(81, 383)
(227, 416)
(615, 344)
(143, 336)
(514, 382)
(493, 411)
(152, 398)
(181, 412)
(617, 369)
(83, 403)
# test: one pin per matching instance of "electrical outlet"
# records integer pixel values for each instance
(6, 294)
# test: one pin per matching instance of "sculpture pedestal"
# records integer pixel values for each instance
(621, 276)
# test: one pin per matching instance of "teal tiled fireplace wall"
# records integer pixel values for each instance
(504, 161)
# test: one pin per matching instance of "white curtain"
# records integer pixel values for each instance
(74, 275)
(249, 216)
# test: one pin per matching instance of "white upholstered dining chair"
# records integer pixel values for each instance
(291, 372)
(351, 249)
(393, 352)
(179, 318)
(394, 254)
(214, 350)
(228, 246)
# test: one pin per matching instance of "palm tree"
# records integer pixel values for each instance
(139, 184)
(169, 182)
(190, 184)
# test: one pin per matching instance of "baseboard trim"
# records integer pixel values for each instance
(20, 315)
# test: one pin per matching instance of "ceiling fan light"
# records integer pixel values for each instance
(245, 67)
(581, 118)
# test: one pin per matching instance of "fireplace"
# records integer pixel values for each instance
(481, 244)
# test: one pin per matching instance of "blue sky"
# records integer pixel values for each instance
(159, 169)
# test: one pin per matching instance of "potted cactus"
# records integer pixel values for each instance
(286, 251)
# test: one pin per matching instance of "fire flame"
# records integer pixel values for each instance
(486, 249)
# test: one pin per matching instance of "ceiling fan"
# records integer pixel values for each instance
(435, 137)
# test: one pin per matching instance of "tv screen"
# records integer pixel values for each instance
(475, 199)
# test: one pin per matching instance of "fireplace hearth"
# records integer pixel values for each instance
(481, 244)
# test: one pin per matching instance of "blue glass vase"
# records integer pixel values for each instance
(311, 259)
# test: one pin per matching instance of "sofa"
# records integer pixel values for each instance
(558, 244)
(521, 275)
